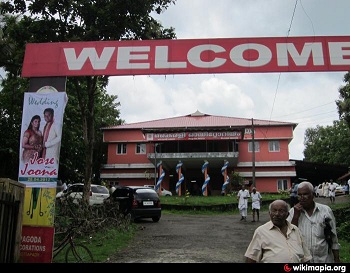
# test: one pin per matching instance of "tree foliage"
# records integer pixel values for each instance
(343, 103)
(328, 144)
(89, 106)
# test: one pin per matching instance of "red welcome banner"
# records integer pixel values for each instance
(191, 56)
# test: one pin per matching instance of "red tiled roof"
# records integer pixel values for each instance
(198, 120)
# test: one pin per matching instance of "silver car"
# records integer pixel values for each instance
(98, 193)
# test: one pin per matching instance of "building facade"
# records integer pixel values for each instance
(197, 152)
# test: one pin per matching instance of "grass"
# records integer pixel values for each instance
(106, 243)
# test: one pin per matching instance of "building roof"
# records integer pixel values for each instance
(199, 120)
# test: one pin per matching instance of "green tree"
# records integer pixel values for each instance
(329, 144)
(343, 103)
(83, 20)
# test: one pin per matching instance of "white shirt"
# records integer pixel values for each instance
(269, 245)
(256, 197)
(312, 228)
(243, 202)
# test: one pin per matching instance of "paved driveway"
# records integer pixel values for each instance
(194, 239)
(190, 239)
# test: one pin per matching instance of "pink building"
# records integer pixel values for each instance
(199, 149)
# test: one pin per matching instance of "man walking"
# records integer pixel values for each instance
(256, 202)
(331, 190)
(242, 198)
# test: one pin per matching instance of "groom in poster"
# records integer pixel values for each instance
(51, 137)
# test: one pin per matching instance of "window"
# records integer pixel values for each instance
(274, 146)
(256, 146)
(282, 184)
(141, 148)
(121, 148)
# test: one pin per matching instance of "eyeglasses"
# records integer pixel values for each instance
(305, 195)
(279, 211)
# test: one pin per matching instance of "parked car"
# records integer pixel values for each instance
(164, 192)
(140, 202)
(98, 193)
(338, 190)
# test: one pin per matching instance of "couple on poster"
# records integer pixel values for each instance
(40, 144)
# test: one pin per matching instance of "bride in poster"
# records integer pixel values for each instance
(32, 140)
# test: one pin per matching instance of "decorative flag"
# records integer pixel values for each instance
(223, 169)
(160, 180)
(223, 172)
(205, 184)
(178, 184)
(205, 165)
(206, 177)
(225, 184)
(178, 166)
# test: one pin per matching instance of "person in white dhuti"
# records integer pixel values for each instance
(242, 198)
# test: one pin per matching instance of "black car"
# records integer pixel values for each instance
(140, 202)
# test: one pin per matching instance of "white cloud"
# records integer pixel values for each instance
(304, 98)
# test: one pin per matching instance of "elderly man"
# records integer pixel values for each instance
(317, 224)
(277, 241)
(242, 198)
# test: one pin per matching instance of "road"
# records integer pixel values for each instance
(194, 238)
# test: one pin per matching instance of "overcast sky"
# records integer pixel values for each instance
(304, 98)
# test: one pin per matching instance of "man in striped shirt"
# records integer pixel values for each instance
(317, 224)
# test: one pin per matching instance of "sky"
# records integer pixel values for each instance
(305, 98)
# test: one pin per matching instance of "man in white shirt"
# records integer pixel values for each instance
(331, 191)
(317, 224)
(256, 202)
(242, 198)
(277, 241)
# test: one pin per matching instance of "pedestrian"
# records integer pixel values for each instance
(111, 188)
(242, 198)
(277, 241)
(326, 190)
(291, 194)
(317, 224)
(256, 202)
(331, 190)
(346, 189)
(293, 199)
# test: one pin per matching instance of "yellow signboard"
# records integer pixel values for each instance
(39, 206)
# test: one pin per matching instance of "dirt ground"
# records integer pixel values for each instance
(194, 238)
